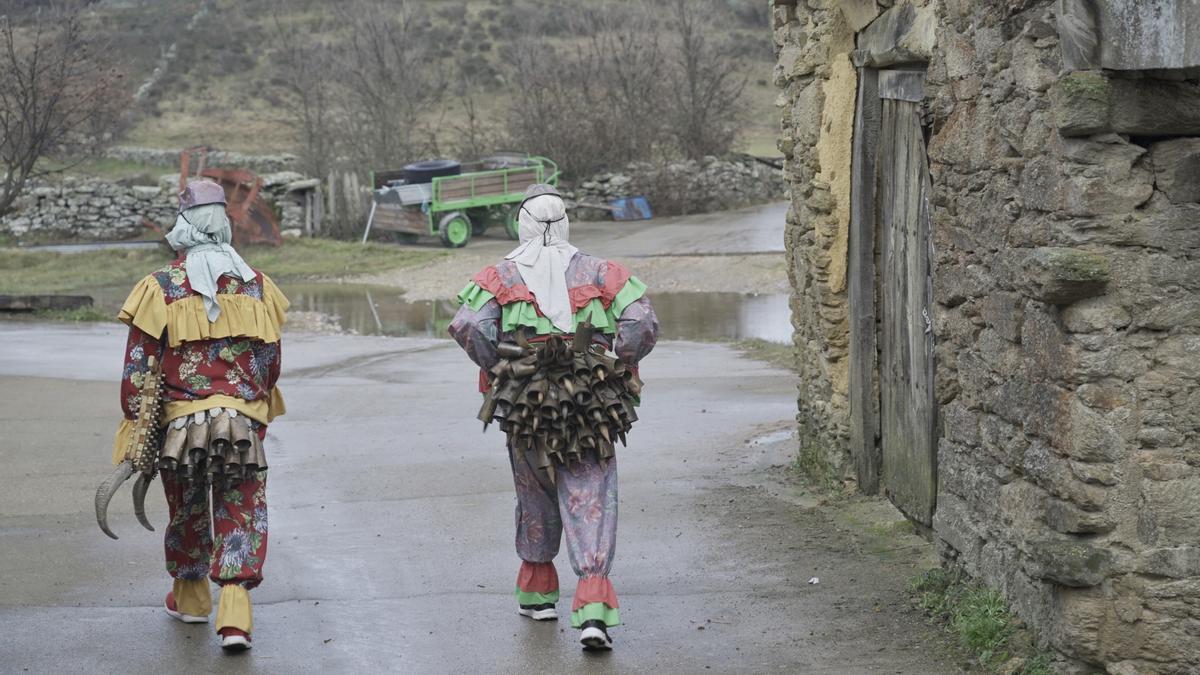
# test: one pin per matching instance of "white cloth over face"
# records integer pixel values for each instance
(204, 233)
(543, 256)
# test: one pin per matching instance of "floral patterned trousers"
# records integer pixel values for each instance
(582, 504)
(227, 545)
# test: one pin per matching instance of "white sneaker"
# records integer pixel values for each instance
(174, 613)
(234, 640)
(544, 612)
(593, 637)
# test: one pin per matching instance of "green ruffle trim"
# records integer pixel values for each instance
(527, 598)
(596, 610)
(473, 296)
(524, 314)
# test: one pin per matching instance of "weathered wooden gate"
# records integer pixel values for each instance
(893, 410)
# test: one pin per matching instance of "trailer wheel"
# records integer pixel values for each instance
(455, 229)
(512, 226)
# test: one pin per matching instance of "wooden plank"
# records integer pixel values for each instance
(34, 303)
(394, 218)
(864, 396)
(902, 85)
(907, 407)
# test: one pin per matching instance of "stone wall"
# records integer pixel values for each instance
(1066, 230)
(691, 186)
(86, 209)
(224, 158)
(815, 148)
(1068, 326)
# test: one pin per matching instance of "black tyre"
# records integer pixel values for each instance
(425, 172)
(480, 220)
(512, 225)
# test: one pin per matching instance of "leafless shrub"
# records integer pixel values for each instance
(392, 81)
(644, 81)
(58, 95)
(305, 68)
(706, 82)
(596, 104)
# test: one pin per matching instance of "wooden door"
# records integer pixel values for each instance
(893, 411)
(907, 410)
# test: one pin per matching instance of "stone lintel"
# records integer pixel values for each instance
(902, 34)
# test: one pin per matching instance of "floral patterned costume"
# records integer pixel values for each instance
(232, 363)
(582, 502)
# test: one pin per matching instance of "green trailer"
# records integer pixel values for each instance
(455, 207)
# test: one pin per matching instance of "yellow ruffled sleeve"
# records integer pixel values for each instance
(145, 308)
(276, 302)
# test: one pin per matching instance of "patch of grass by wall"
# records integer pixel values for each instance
(981, 621)
(778, 355)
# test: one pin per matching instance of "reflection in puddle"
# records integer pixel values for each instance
(379, 310)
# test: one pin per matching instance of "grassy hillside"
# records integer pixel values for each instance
(221, 87)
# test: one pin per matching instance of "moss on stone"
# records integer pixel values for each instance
(1071, 264)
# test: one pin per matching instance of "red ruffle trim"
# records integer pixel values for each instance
(537, 577)
(615, 278)
(594, 589)
(489, 280)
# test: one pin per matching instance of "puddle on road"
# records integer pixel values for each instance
(380, 310)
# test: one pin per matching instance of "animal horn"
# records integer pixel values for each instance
(139, 499)
(105, 492)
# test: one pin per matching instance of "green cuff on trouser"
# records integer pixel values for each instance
(598, 611)
(528, 598)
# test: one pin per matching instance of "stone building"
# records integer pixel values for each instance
(994, 243)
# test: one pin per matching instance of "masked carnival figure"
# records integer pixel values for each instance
(543, 326)
(198, 390)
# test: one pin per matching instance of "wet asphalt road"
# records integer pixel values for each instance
(392, 525)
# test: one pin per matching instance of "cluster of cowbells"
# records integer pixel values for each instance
(217, 444)
(560, 400)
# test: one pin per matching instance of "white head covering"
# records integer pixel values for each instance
(544, 254)
(204, 233)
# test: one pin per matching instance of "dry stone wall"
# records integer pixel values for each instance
(86, 209)
(691, 186)
(1067, 230)
(1066, 237)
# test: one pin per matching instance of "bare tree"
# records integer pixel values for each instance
(478, 133)
(306, 69)
(57, 95)
(392, 78)
(598, 103)
(707, 82)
